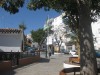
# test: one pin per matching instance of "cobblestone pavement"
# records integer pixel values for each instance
(50, 66)
(45, 66)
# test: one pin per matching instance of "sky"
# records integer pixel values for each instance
(32, 19)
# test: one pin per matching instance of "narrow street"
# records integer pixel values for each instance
(45, 66)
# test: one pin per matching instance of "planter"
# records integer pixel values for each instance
(28, 60)
(5, 66)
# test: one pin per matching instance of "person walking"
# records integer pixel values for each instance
(49, 51)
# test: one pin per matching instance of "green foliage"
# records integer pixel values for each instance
(59, 5)
(74, 38)
(38, 35)
(80, 14)
(70, 7)
(11, 6)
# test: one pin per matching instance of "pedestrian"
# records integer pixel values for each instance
(49, 52)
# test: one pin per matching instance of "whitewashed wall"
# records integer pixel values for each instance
(96, 33)
(10, 42)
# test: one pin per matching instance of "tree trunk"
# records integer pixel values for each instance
(39, 46)
(87, 53)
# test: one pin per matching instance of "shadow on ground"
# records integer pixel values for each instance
(44, 60)
(11, 72)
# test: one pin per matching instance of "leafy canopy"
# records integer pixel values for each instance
(80, 14)
(11, 6)
(38, 35)
(70, 7)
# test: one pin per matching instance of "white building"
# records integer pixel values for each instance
(11, 40)
(28, 36)
(60, 31)
(96, 34)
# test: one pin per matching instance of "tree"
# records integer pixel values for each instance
(81, 13)
(59, 40)
(38, 36)
(59, 34)
(75, 32)
(75, 40)
(23, 27)
(11, 6)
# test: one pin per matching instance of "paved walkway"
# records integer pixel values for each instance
(50, 66)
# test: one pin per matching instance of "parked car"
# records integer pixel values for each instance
(66, 51)
(31, 49)
(98, 53)
(72, 52)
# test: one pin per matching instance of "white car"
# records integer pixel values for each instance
(73, 53)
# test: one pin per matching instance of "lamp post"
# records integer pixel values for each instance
(47, 44)
(47, 28)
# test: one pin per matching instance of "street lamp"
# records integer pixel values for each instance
(47, 27)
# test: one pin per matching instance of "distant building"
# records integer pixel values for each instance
(32, 43)
(29, 40)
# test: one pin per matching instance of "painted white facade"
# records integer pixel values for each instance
(28, 36)
(58, 24)
(59, 30)
(96, 33)
(11, 42)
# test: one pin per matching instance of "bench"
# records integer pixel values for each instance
(68, 68)
(74, 60)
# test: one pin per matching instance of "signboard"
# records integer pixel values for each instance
(49, 40)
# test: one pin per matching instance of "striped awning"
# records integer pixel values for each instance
(10, 30)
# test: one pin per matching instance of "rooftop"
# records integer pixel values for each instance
(9, 30)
